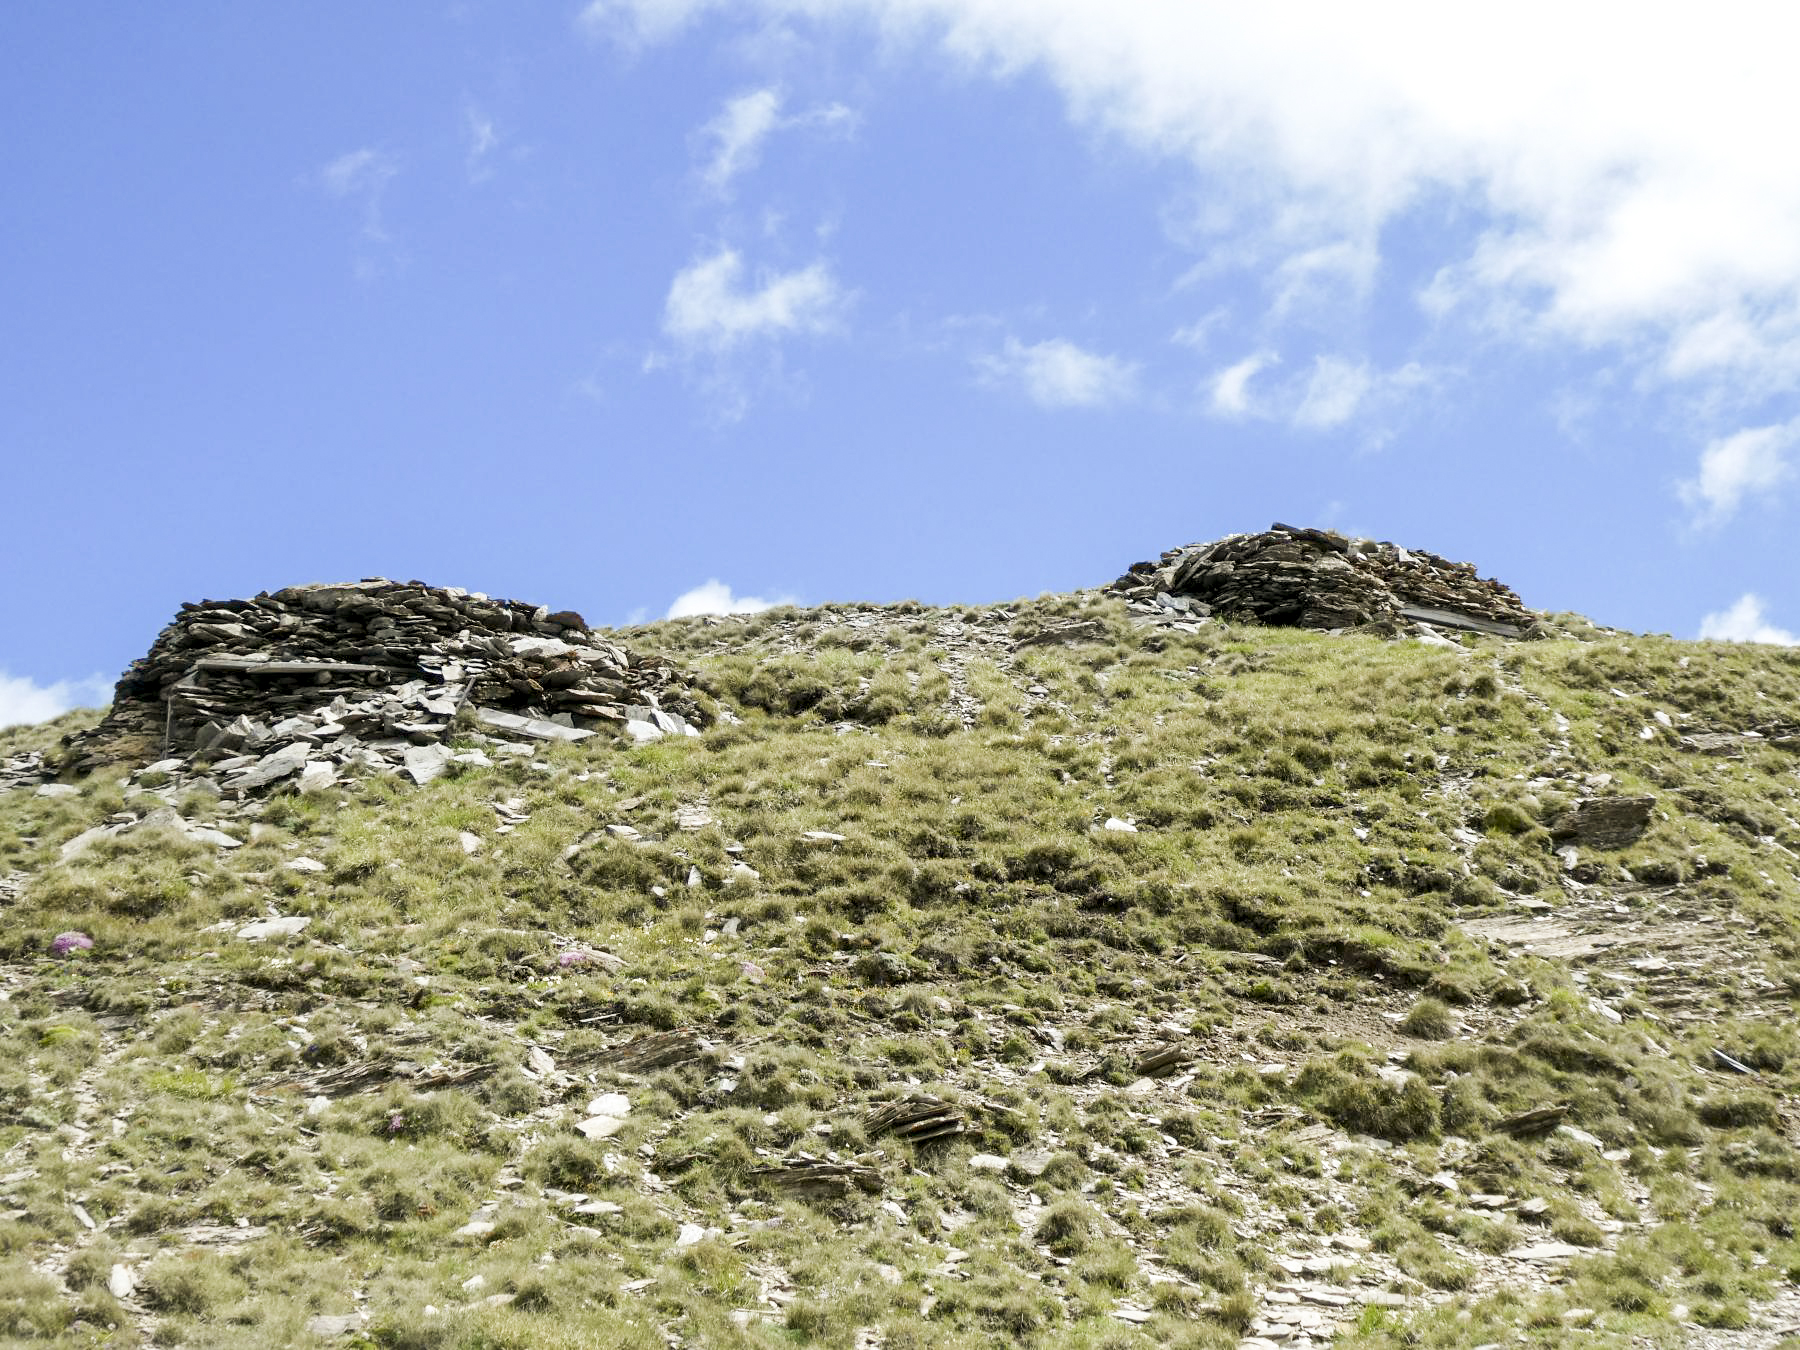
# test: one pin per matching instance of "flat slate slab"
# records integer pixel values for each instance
(1604, 822)
(535, 727)
(236, 665)
(1445, 618)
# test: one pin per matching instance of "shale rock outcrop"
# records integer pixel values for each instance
(303, 681)
(1320, 579)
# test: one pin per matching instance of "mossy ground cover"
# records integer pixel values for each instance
(896, 867)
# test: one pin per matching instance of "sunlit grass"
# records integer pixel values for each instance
(1303, 806)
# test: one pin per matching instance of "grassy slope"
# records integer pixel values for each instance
(1316, 816)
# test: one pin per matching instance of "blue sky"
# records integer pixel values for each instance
(650, 305)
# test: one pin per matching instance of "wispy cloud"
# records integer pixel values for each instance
(726, 329)
(1745, 622)
(837, 118)
(359, 171)
(1736, 467)
(24, 701)
(1058, 374)
(1324, 276)
(736, 136)
(712, 304)
(1199, 333)
(1229, 389)
(1334, 391)
(362, 175)
(481, 139)
(715, 597)
(1338, 390)
(637, 21)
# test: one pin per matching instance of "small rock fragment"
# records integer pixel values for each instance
(318, 775)
(1544, 1252)
(425, 762)
(606, 1116)
(268, 928)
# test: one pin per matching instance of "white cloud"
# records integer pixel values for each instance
(835, 117)
(737, 134)
(362, 170)
(638, 20)
(1231, 386)
(24, 701)
(1058, 374)
(1620, 178)
(715, 597)
(1314, 278)
(483, 138)
(1334, 391)
(710, 305)
(1744, 622)
(363, 175)
(1734, 467)
(1198, 334)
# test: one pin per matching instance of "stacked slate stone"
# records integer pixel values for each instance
(23, 770)
(303, 681)
(1320, 579)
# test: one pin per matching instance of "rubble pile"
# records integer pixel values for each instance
(1320, 579)
(303, 681)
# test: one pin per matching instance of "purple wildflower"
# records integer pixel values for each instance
(64, 943)
(574, 958)
(396, 1122)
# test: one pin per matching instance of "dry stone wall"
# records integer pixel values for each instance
(1320, 579)
(301, 682)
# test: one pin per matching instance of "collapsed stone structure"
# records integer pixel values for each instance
(1320, 579)
(23, 770)
(306, 680)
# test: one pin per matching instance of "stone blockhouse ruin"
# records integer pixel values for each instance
(1320, 579)
(376, 672)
